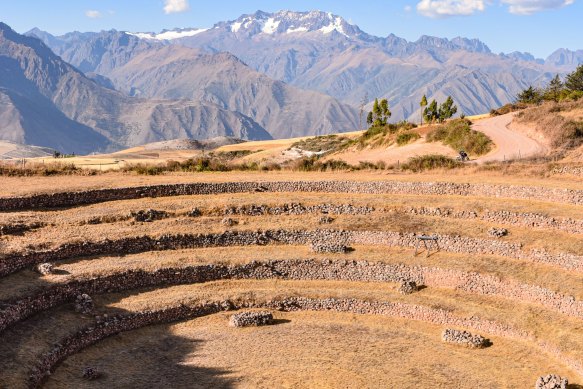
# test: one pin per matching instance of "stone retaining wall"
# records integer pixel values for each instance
(16, 229)
(571, 170)
(68, 199)
(120, 323)
(12, 263)
(298, 209)
(521, 219)
(20, 308)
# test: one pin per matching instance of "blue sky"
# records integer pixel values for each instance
(537, 26)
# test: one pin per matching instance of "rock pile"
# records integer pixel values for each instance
(195, 212)
(328, 247)
(91, 373)
(44, 268)
(497, 232)
(408, 287)
(551, 381)
(227, 221)
(84, 304)
(251, 318)
(325, 220)
(464, 338)
(149, 215)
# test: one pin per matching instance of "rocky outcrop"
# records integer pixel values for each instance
(69, 199)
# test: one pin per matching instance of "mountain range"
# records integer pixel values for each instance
(261, 76)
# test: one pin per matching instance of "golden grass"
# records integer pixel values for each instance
(20, 186)
(324, 350)
(320, 341)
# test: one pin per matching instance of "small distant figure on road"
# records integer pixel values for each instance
(463, 156)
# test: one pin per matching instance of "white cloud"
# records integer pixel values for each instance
(528, 7)
(93, 14)
(408, 8)
(445, 8)
(175, 6)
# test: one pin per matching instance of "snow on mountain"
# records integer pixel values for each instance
(168, 34)
(289, 22)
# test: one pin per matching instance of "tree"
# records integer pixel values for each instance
(574, 81)
(554, 89)
(447, 110)
(369, 119)
(423, 104)
(431, 113)
(380, 113)
(530, 96)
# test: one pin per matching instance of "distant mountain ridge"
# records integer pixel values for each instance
(320, 51)
(45, 101)
(151, 68)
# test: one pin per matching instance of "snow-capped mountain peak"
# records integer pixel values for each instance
(289, 22)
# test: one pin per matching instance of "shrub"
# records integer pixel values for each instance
(430, 162)
(407, 137)
(458, 135)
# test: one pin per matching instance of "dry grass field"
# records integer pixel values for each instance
(531, 334)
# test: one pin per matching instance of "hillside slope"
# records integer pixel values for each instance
(47, 102)
(152, 69)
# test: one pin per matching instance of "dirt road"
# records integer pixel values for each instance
(510, 144)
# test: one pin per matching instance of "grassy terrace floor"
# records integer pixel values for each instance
(20, 186)
(321, 331)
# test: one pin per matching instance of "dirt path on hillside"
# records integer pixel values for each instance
(510, 143)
